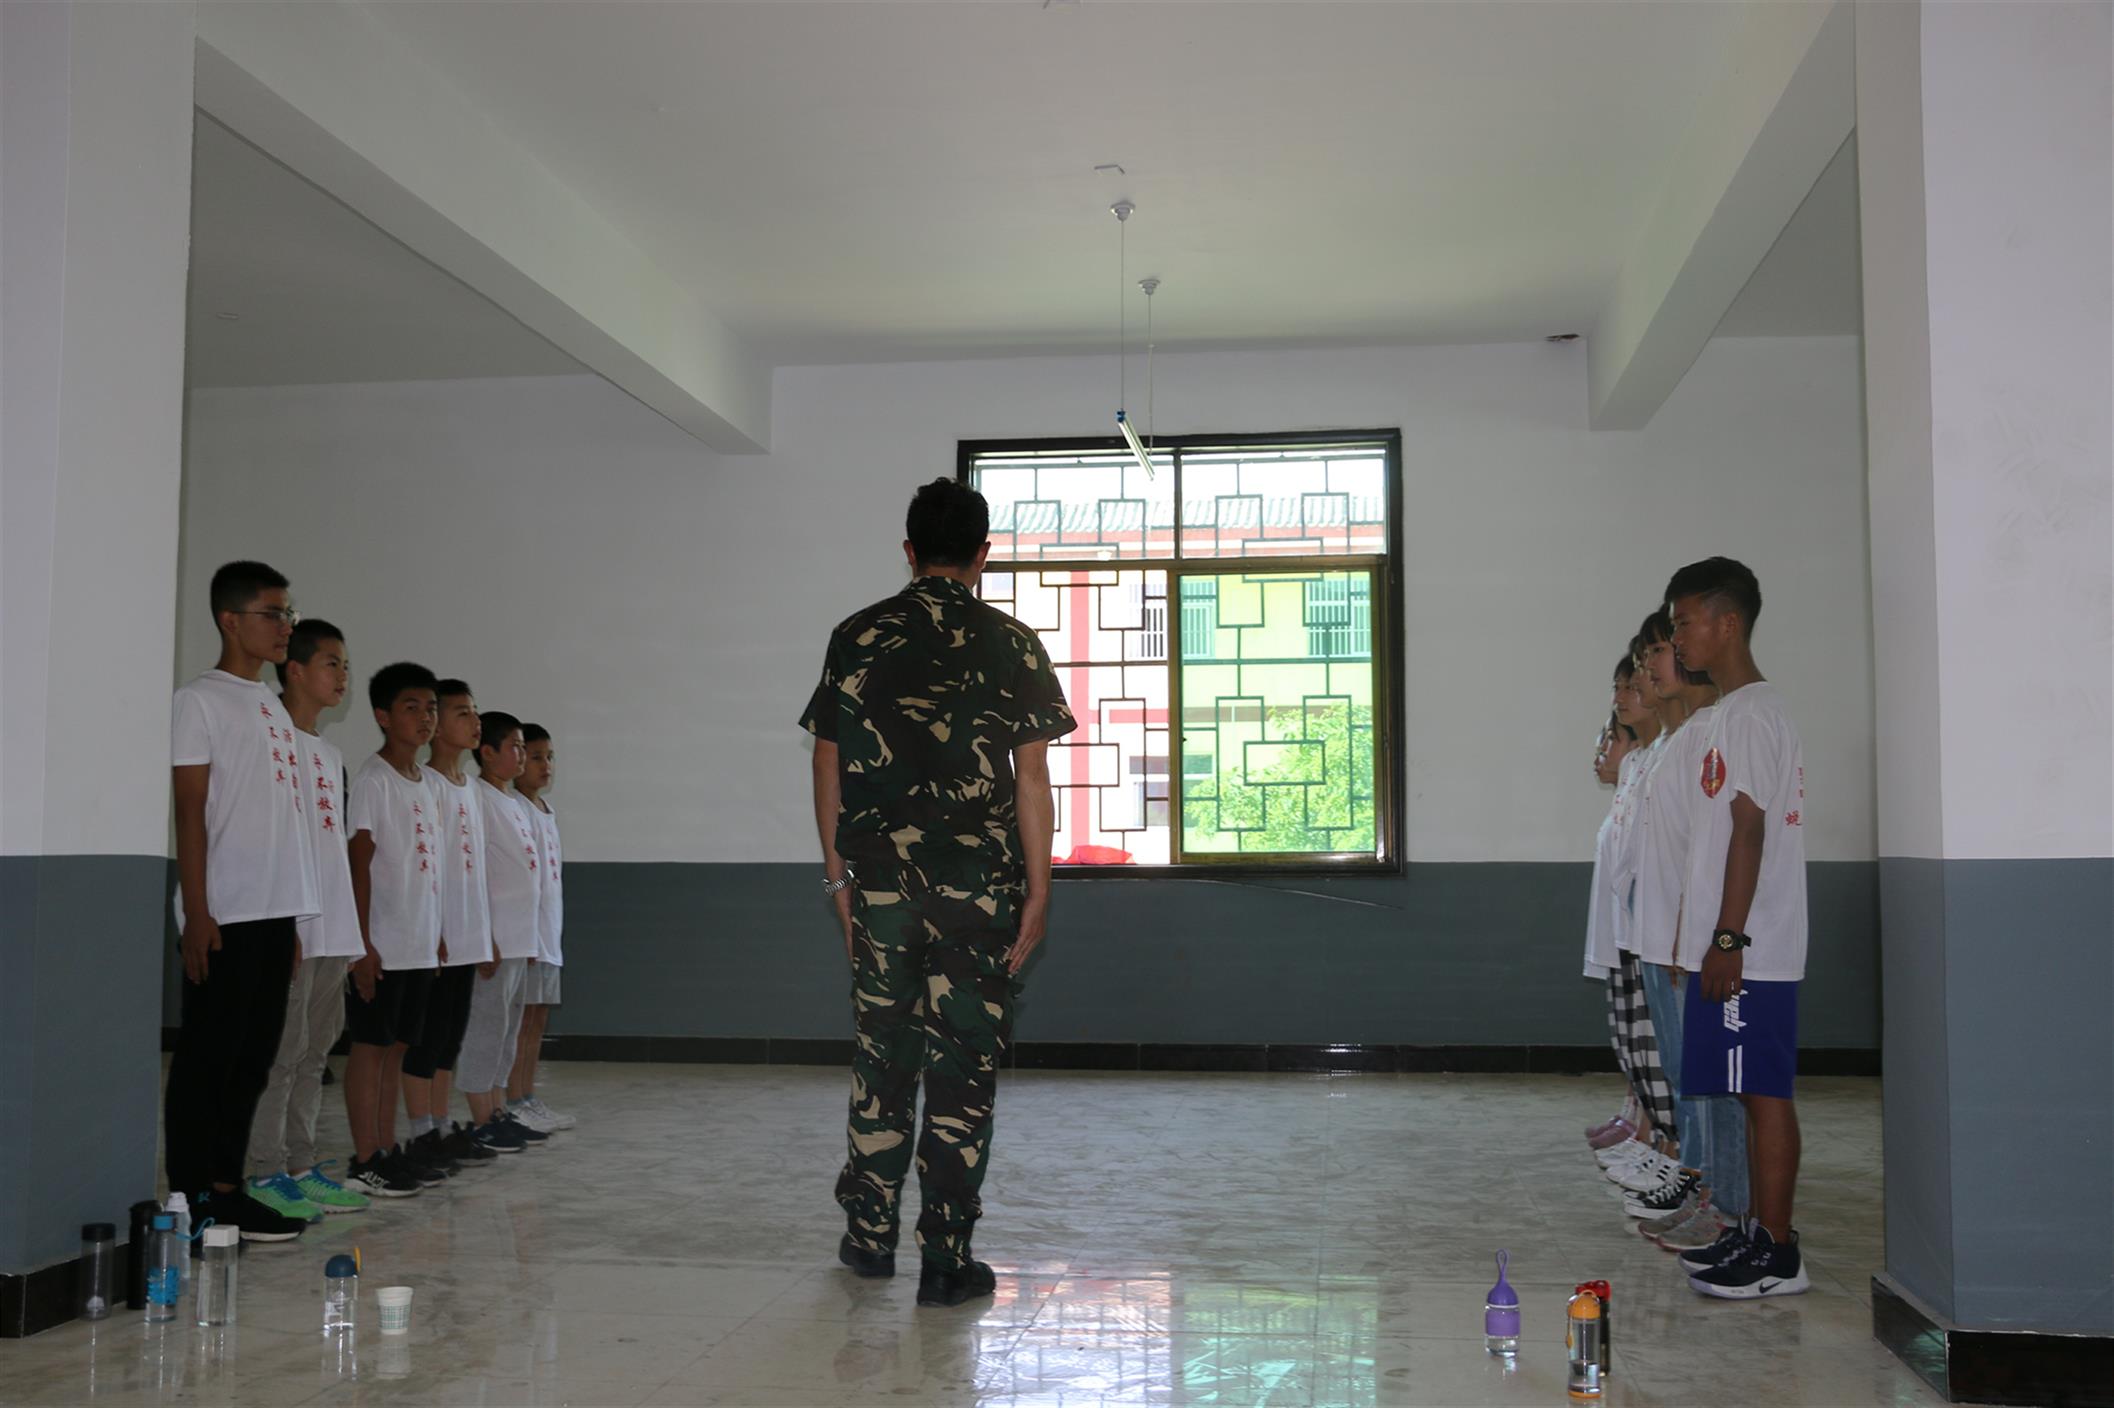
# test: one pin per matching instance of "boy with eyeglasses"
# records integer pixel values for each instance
(246, 876)
(288, 1180)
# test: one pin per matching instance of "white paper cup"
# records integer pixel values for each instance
(395, 1303)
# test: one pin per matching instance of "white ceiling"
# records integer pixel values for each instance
(321, 295)
(867, 181)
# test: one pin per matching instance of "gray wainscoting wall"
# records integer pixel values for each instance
(79, 1081)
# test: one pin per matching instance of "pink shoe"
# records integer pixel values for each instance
(1614, 1134)
(1596, 1130)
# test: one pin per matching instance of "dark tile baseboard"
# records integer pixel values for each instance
(1377, 1058)
(1993, 1366)
(34, 1301)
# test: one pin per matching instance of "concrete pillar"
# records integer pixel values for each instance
(1986, 160)
(95, 191)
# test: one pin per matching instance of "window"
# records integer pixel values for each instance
(1232, 613)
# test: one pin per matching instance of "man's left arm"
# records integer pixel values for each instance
(1036, 807)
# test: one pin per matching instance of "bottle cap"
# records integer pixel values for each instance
(98, 1232)
(164, 1223)
(341, 1265)
(1585, 1306)
(222, 1236)
(1598, 1288)
(1502, 1293)
(178, 1200)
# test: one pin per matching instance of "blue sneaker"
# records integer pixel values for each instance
(284, 1197)
(1768, 1268)
(327, 1193)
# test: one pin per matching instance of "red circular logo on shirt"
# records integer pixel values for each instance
(1713, 773)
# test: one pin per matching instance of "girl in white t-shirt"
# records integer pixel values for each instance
(1635, 728)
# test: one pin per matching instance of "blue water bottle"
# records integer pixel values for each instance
(164, 1270)
(1501, 1315)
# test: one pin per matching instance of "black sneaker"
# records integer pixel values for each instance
(403, 1162)
(1730, 1245)
(1767, 1268)
(1665, 1198)
(531, 1137)
(257, 1222)
(427, 1150)
(377, 1179)
(939, 1286)
(500, 1136)
(871, 1265)
(460, 1145)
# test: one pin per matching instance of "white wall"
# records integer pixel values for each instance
(663, 610)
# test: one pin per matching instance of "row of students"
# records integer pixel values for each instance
(313, 903)
(1698, 924)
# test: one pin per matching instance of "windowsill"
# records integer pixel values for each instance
(1232, 870)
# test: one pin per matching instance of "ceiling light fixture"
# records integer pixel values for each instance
(1122, 210)
(229, 317)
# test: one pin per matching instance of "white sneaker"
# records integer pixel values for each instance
(1646, 1174)
(555, 1119)
(527, 1114)
(1628, 1151)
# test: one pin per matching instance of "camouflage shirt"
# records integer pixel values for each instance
(926, 695)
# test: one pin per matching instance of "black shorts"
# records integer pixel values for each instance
(398, 1012)
(447, 1019)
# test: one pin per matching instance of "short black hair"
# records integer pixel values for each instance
(1626, 666)
(307, 639)
(1658, 629)
(948, 524)
(452, 689)
(1725, 584)
(389, 683)
(497, 725)
(534, 733)
(237, 584)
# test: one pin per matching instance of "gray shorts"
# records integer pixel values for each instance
(489, 1042)
(544, 984)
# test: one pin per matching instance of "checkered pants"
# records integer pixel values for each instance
(1637, 1045)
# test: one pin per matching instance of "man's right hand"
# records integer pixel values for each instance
(201, 937)
(366, 972)
(842, 900)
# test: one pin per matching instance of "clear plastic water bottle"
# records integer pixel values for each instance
(1582, 1330)
(1501, 1315)
(179, 1208)
(341, 1296)
(164, 1270)
(98, 1269)
(215, 1300)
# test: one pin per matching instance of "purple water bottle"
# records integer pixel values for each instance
(1501, 1316)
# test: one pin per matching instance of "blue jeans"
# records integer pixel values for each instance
(1712, 1130)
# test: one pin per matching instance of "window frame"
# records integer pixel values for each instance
(1390, 734)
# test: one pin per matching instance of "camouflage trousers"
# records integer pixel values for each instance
(933, 1005)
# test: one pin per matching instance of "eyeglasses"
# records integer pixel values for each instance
(284, 614)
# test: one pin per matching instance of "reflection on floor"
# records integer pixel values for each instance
(1160, 1239)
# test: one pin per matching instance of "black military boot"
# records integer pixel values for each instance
(937, 1286)
(866, 1263)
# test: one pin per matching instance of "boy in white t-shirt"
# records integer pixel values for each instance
(544, 990)
(396, 851)
(1743, 924)
(285, 1175)
(465, 942)
(514, 880)
(246, 876)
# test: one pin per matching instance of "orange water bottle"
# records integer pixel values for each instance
(1582, 1332)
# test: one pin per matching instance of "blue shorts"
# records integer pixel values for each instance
(1745, 1046)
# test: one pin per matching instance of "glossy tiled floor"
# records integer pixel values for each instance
(1160, 1239)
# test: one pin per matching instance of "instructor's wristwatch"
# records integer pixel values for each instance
(1729, 941)
(831, 887)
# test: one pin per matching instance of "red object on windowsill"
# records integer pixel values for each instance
(1095, 855)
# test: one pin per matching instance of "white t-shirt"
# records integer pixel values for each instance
(258, 860)
(403, 894)
(465, 909)
(513, 873)
(1614, 866)
(1750, 747)
(1666, 814)
(335, 931)
(552, 906)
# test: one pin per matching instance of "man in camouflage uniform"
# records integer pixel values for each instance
(931, 704)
